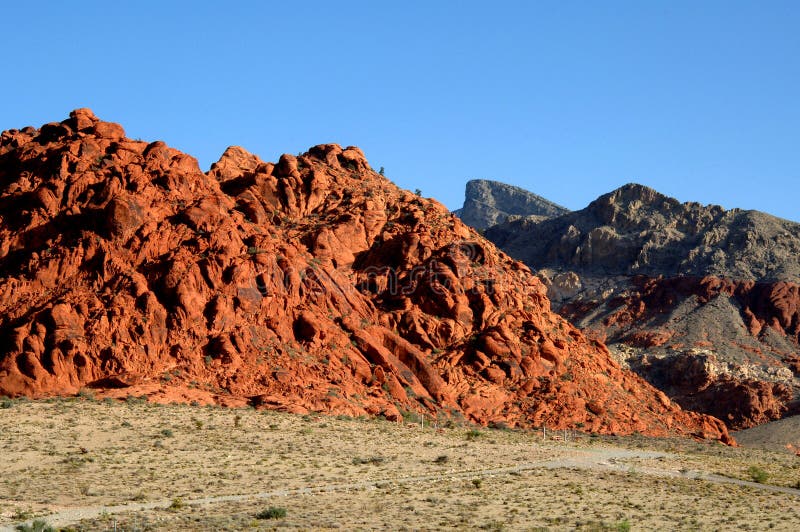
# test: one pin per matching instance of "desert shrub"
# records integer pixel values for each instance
(623, 526)
(757, 474)
(176, 504)
(443, 459)
(133, 400)
(167, 433)
(374, 460)
(37, 526)
(273, 512)
(87, 394)
(474, 434)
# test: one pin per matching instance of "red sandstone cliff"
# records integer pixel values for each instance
(310, 284)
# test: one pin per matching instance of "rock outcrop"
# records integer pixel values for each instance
(310, 284)
(658, 279)
(489, 203)
(635, 230)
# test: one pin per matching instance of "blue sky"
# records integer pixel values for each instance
(700, 100)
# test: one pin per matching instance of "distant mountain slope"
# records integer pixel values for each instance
(703, 302)
(636, 230)
(489, 203)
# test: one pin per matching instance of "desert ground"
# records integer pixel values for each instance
(84, 464)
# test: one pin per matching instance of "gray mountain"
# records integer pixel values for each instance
(701, 301)
(488, 203)
(636, 230)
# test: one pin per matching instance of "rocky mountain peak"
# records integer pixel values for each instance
(634, 193)
(658, 277)
(488, 203)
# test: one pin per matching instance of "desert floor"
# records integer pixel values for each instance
(81, 464)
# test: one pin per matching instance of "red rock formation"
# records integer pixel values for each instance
(763, 304)
(765, 308)
(313, 284)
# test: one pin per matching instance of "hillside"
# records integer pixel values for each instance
(636, 230)
(703, 302)
(310, 284)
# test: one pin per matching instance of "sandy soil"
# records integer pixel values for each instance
(70, 462)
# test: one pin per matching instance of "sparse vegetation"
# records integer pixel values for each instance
(285, 455)
(371, 460)
(38, 525)
(273, 512)
(473, 434)
(176, 504)
(85, 393)
(757, 474)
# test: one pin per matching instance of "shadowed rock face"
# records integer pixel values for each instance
(489, 203)
(310, 284)
(672, 285)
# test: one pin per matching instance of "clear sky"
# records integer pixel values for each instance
(698, 99)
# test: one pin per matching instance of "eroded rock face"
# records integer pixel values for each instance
(489, 203)
(634, 230)
(641, 270)
(723, 347)
(310, 284)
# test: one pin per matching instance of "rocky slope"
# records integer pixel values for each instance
(489, 203)
(311, 284)
(780, 435)
(703, 302)
(635, 230)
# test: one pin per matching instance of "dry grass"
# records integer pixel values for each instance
(75, 453)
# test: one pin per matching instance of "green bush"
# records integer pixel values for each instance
(623, 526)
(757, 474)
(273, 512)
(474, 434)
